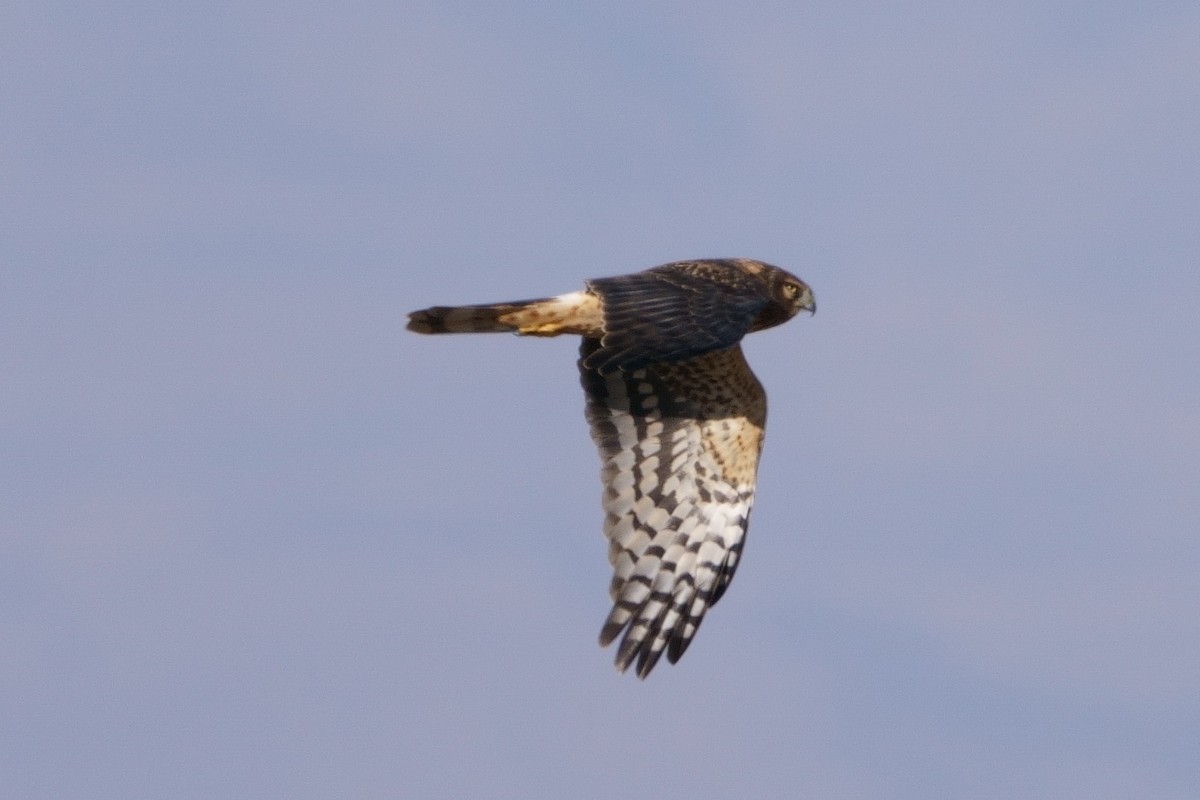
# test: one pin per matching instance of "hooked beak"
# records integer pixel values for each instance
(809, 303)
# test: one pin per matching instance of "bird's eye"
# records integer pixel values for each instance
(790, 290)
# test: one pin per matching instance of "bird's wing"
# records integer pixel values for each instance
(679, 444)
(671, 314)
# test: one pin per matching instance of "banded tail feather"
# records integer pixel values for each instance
(578, 313)
(464, 319)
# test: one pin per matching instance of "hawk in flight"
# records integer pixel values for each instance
(678, 417)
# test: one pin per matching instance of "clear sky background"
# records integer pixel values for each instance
(256, 540)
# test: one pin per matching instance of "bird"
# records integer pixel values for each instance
(678, 418)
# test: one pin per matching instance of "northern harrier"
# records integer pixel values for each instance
(678, 417)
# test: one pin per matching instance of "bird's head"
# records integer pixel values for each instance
(789, 296)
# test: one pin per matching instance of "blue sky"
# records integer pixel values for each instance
(258, 541)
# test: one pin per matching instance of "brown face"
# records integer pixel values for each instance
(789, 296)
(795, 296)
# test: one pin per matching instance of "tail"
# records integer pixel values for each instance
(578, 312)
(466, 319)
